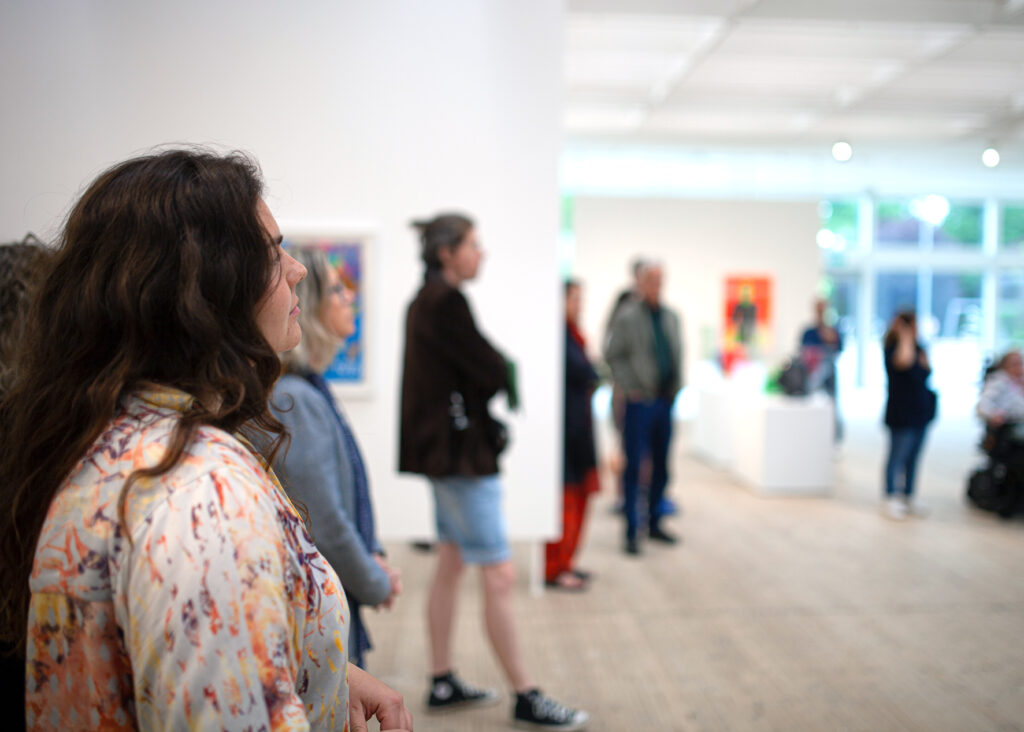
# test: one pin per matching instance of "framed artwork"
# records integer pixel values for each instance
(747, 316)
(349, 252)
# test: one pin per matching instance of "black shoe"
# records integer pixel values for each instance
(451, 692)
(535, 711)
(632, 546)
(659, 534)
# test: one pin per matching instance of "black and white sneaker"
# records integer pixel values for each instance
(536, 711)
(451, 692)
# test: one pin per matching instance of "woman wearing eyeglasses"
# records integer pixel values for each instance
(323, 468)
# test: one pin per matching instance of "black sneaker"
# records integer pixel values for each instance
(659, 534)
(451, 692)
(536, 711)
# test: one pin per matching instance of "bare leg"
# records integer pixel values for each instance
(499, 579)
(441, 606)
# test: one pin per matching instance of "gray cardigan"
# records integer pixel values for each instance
(630, 349)
(316, 471)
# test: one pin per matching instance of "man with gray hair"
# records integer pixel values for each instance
(644, 352)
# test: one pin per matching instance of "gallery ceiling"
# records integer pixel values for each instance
(795, 72)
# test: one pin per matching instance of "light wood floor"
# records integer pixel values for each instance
(776, 614)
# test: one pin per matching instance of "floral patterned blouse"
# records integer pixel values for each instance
(216, 611)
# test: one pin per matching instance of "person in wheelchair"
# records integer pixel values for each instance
(1001, 407)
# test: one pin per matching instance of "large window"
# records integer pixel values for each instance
(895, 225)
(1010, 310)
(936, 257)
(1013, 226)
(894, 291)
(956, 305)
(928, 222)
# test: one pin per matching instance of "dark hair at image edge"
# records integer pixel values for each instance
(22, 266)
(157, 277)
(444, 231)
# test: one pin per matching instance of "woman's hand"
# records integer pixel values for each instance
(368, 697)
(395, 575)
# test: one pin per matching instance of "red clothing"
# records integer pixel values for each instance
(559, 554)
(580, 457)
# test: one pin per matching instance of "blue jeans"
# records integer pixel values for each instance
(646, 431)
(904, 448)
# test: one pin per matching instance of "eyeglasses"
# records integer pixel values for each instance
(343, 292)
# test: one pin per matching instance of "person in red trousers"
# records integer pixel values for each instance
(580, 459)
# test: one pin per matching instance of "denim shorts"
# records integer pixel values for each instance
(469, 514)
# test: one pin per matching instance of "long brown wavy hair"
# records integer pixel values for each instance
(157, 277)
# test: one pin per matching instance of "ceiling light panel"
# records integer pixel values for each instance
(733, 72)
(618, 68)
(595, 118)
(753, 122)
(908, 127)
(968, 81)
(991, 46)
(611, 32)
(830, 40)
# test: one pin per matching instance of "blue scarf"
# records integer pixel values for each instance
(364, 509)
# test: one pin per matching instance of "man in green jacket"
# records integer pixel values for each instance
(644, 352)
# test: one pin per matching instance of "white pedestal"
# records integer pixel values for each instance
(783, 445)
(712, 432)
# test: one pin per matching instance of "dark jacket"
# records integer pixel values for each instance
(911, 403)
(444, 355)
(580, 378)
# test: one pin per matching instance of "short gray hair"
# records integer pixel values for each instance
(318, 346)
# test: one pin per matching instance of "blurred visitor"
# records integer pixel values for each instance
(820, 346)
(323, 468)
(450, 374)
(644, 353)
(579, 462)
(1002, 395)
(22, 267)
(910, 407)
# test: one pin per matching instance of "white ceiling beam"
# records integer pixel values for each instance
(960, 12)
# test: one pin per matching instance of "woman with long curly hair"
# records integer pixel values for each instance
(156, 576)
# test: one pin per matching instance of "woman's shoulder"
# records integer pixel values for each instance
(214, 463)
(296, 386)
(295, 398)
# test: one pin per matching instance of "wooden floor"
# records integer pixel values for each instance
(776, 614)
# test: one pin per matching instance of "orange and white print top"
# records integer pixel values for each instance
(219, 613)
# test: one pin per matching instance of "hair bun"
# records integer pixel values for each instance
(419, 224)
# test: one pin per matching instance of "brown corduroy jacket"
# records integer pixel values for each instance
(445, 354)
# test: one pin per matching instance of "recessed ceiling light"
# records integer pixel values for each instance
(990, 157)
(842, 151)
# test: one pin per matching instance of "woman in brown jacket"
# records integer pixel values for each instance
(450, 374)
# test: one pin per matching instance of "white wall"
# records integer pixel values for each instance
(700, 243)
(372, 111)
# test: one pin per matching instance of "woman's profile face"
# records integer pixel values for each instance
(573, 304)
(277, 313)
(337, 313)
(463, 261)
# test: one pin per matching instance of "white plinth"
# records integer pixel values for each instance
(712, 431)
(783, 445)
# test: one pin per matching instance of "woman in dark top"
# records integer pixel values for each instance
(909, 409)
(580, 458)
(450, 374)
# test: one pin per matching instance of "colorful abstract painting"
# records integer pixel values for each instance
(347, 255)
